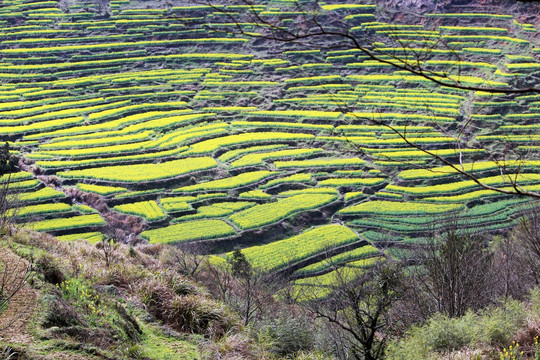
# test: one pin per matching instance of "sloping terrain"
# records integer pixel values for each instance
(134, 117)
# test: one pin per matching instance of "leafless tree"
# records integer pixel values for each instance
(247, 291)
(511, 278)
(358, 306)
(521, 253)
(188, 258)
(108, 245)
(454, 272)
(8, 204)
(217, 278)
(14, 271)
(252, 293)
(14, 275)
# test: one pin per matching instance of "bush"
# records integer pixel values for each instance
(187, 313)
(439, 334)
(303, 355)
(493, 326)
(57, 312)
(443, 333)
(181, 286)
(499, 324)
(49, 267)
(286, 335)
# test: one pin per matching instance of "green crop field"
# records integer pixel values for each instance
(196, 133)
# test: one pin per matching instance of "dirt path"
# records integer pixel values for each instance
(17, 316)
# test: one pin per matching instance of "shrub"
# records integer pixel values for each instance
(499, 324)
(445, 333)
(287, 334)
(186, 313)
(58, 312)
(494, 326)
(49, 267)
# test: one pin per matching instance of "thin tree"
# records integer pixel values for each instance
(525, 241)
(8, 195)
(14, 274)
(358, 305)
(454, 272)
(252, 291)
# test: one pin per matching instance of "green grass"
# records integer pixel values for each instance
(101, 190)
(449, 188)
(42, 209)
(229, 155)
(179, 203)
(337, 182)
(296, 178)
(260, 158)
(46, 193)
(254, 194)
(218, 210)
(157, 346)
(321, 162)
(91, 237)
(209, 146)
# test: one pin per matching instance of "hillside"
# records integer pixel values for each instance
(75, 306)
(144, 122)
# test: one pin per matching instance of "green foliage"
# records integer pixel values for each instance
(91, 237)
(157, 345)
(280, 253)
(43, 209)
(240, 267)
(84, 297)
(358, 253)
(228, 183)
(101, 190)
(494, 326)
(286, 335)
(218, 210)
(8, 161)
(391, 207)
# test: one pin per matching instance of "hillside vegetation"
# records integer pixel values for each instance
(161, 124)
(148, 134)
(134, 304)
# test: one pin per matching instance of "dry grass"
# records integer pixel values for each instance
(140, 276)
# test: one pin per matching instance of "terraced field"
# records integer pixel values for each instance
(183, 133)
